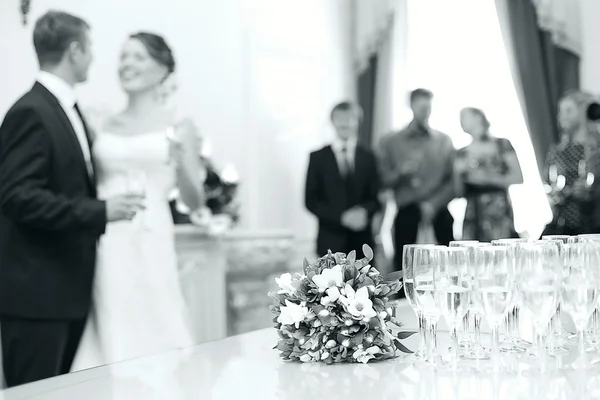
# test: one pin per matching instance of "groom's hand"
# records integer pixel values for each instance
(123, 207)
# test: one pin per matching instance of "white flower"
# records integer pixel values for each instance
(333, 294)
(358, 303)
(285, 284)
(292, 314)
(329, 278)
(306, 358)
(364, 356)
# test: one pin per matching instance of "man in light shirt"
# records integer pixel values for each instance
(342, 187)
(417, 164)
(50, 218)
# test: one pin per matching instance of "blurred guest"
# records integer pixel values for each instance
(570, 168)
(417, 164)
(485, 170)
(342, 186)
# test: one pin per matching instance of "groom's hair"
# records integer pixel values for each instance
(53, 34)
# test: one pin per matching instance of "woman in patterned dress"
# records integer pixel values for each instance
(486, 169)
(570, 168)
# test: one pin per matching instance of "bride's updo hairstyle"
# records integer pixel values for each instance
(158, 49)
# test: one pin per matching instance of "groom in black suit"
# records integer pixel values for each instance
(50, 218)
(342, 187)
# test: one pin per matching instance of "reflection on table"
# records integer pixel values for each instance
(246, 367)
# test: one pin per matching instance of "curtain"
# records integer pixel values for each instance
(545, 55)
(367, 80)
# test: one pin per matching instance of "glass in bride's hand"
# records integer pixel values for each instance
(175, 145)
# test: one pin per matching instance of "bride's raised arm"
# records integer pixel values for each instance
(189, 167)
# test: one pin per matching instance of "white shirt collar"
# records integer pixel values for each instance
(59, 88)
(349, 144)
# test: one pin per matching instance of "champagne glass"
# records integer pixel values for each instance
(408, 257)
(452, 291)
(512, 342)
(593, 328)
(494, 288)
(466, 340)
(580, 289)
(476, 351)
(557, 334)
(424, 263)
(541, 275)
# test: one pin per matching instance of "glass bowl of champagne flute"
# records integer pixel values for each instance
(540, 276)
(470, 345)
(452, 283)
(408, 258)
(494, 287)
(424, 264)
(512, 341)
(558, 336)
(592, 332)
(580, 291)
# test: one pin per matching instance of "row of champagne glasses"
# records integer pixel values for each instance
(493, 281)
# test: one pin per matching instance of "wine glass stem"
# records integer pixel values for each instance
(495, 346)
(432, 338)
(422, 332)
(466, 325)
(514, 333)
(477, 328)
(509, 324)
(454, 336)
(582, 352)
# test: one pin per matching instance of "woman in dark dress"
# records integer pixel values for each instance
(570, 169)
(486, 169)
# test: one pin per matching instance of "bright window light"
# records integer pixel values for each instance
(457, 51)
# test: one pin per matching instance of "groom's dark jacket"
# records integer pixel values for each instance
(50, 219)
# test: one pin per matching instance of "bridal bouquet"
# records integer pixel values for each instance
(337, 311)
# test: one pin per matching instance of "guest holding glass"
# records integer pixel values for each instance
(570, 169)
(485, 170)
(417, 164)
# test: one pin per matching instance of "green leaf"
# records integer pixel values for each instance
(305, 266)
(351, 257)
(394, 276)
(366, 282)
(405, 334)
(401, 347)
(368, 252)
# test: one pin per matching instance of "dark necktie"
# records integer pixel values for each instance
(348, 173)
(89, 137)
(85, 125)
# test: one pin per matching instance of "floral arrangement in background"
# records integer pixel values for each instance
(25, 8)
(221, 211)
(337, 311)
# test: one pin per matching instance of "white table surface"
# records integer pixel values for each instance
(246, 367)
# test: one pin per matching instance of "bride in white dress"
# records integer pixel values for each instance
(139, 307)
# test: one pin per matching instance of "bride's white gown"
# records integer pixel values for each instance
(139, 307)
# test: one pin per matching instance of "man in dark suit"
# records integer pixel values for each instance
(50, 218)
(342, 187)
